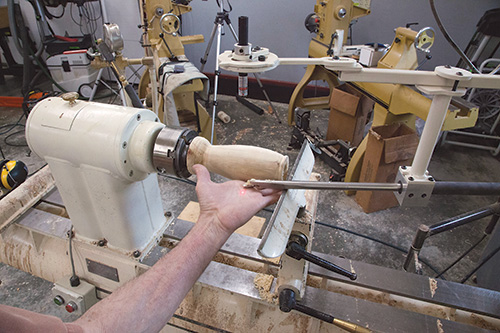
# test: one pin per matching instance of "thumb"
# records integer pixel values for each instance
(201, 173)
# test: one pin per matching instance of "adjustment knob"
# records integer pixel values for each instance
(70, 97)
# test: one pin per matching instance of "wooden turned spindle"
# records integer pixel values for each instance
(237, 161)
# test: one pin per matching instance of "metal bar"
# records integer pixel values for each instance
(308, 185)
(466, 188)
(463, 219)
(353, 72)
(479, 135)
(432, 129)
(470, 145)
(411, 77)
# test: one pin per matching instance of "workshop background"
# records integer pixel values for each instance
(279, 25)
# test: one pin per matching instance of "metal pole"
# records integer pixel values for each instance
(216, 81)
(430, 135)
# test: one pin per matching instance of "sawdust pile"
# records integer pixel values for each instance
(263, 283)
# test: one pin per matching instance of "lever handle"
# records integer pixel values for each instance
(237, 161)
(297, 251)
(288, 303)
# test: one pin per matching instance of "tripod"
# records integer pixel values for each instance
(221, 17)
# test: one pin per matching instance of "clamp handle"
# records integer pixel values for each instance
(288, 303)
(297, 251)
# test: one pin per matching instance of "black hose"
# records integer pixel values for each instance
(462, 256)
(450, 40)
(484, 261)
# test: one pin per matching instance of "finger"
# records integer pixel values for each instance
(201, 173)
(269, 191)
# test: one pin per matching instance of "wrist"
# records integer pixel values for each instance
(213, 230)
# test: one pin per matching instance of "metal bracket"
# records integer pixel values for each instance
(280, 225)
(415, 192)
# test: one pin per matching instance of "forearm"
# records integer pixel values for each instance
(156, 294)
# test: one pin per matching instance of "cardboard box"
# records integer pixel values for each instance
(388, 147)
(349, 110)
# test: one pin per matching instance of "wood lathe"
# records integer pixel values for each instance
(104, 160)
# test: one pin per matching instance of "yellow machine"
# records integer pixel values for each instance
(163, 46)
(394, 102)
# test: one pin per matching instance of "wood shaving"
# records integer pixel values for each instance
(433, 286)
(263, 283)
(440, 326)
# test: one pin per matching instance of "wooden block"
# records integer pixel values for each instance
(252, 228)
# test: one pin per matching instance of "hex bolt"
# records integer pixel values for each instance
(168, 214)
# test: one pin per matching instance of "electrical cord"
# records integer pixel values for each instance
(377, 241)
(462, 256)
(450, 40)
(484, 261)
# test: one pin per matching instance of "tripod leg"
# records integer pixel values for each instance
(233, 32)
(209, 46)
(216, 82)
(96, 84)
(267, 97)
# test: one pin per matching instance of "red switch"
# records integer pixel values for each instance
(71, 306)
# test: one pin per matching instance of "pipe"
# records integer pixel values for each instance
(466, 188)
(463, 219)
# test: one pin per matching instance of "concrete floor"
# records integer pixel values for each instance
(396, 225)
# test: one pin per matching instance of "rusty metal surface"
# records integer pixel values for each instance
(451, 294)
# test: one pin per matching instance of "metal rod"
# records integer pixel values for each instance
(309, 185)
(466, 188)
(416, 246)
(463, 219)
(430, 134)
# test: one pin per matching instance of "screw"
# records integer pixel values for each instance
(131, 173)
(168, 214)
(410, 195)
(431, 179)
(447, 66)
(424, 195)
(136, 254)
(403, 167)
(397, 40)
(460, 74)
(124, 144)
(101, 242)
(262, 58)
(411, 179)
(138, 117)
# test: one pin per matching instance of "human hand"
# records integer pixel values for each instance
(229, 204)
